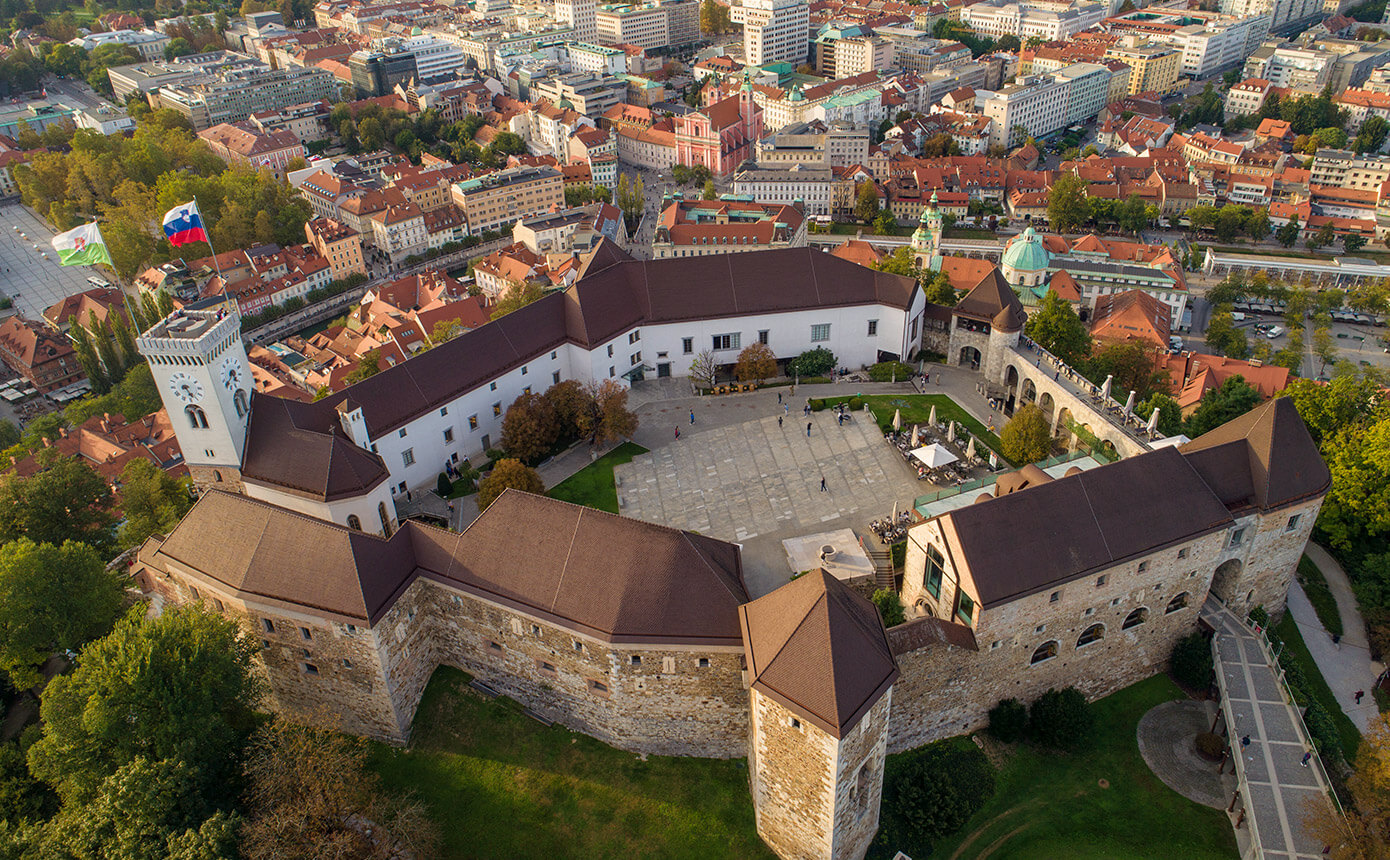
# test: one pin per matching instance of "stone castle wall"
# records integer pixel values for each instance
(226, 478)
(1268, 557)
(792, 770)
(859, 780)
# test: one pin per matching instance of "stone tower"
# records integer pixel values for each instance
(199, 364)
(926, 239)
(821, 674)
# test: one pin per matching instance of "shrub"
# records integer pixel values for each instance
(444, 487)
(1061, 719)
(890, 607)
(886, 371)
(1259, 616)
(1008, 720)
(1192, 662)
(813, 362)
(1323, 730)
(899, 553)
(1210, 745)
(856, 403)
(930, 793)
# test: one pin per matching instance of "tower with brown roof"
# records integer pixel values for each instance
(820, 676)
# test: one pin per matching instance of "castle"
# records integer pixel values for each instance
(646, 637)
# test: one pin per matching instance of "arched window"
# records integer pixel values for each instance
(1094, 633)
(239, 400)
(197, 418)
(354, 523)
(1046, 651)
(216, 476)
(385, 520)
(1135, 618)
(1179, 602)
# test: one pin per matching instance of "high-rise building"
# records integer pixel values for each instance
(582, 15)
(231, 90)
(631, 24)
(776, 31)
(1285, 16)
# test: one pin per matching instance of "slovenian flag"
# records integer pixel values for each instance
(184, 225)
(81, 246)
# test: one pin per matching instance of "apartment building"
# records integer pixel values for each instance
(231, 91)
(1088, 86)
(581, 16)
(1046, 21)
(498, 199)
(1209, 42)
(1285, 16)
(242, 143)
(682, 21)
(596, 59)
(811, 187)
(1034, 106)
(1247, 97)
(815, 144)
(1291, 65)
(1339, 168)
(646, 26)
(698, 228)
(776, 31)
(1154, 68)
(148, 44)
(337, 243)
(399, 231)
(587, 93)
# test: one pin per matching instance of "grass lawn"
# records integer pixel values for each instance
(1051, 804)
(499, 784)
(592, 486)
(917, 409)
(1297, 651)
(1315, 586)
(968, 233)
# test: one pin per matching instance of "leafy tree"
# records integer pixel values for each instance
(710, 192)
(1169, 413)
(508, 473)
(9, 433)
(1231, 400)
(1066, 203)
(152, 501)
(614, 420)
(1223, 336)
(1357, 507)
(519, 294)
(1132, 215)
(1346, 401)
(188, 675)
(87, 357)
(1027, 438)
(1008, 720)
(370, 133)
(51, 599)
(1131, 364)
(1061, 719)
(1362, 829)
(931, 792)
(756, 363)
(705, 368)
(1372, 135)
(939, 145)
(1056, 328)
(813, 362)
(940, 292)
(368, 365)
(530, 428)
(307, 787)
(66, 501)
(866, 202)
(1192, 661)
(884, 223)
(1325, 236)
(1353, 242)
(1324, 347)
(573, 405)
(22, 798)
(1258, 226)
(890, 607)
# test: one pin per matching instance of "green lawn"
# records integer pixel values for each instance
(1296, 650)
(1052, 805)
(1315, 586)
(916, 409)
(501, 785)
(592, 486)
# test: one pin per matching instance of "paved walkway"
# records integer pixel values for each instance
(1276, 788)
(1167, 741)
(34, 283)
(1348, 667)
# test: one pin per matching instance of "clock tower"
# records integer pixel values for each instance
(199, 364)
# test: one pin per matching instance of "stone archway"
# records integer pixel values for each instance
(1225, 579)
(969, 357)
(1011, 377)
(1029, 392)
(1063, 425)
(1048, 406)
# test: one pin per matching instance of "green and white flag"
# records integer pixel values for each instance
(81, 246)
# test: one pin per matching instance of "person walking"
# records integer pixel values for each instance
(779, 398)
(808, 429)
(1245, 740)
(779, 420)
(786, 409)
(1359, 694)
(678, 432)
(692, 416)
(822, 485)
(1304, 760)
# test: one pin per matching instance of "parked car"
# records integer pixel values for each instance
(1274, 332)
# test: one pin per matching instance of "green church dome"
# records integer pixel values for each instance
(1026, 253)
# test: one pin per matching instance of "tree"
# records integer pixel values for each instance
(1057, 329)
(884, 223)
(1132, 215)
(1258, 226)
(530, 427)
(66, 501)
(152, 501)
(705, 368)
(1008, 720)
(1131, 364)
(756, 363)
(1223, 336)
(1027, 438)
(1066, 203)
(368, 365)
(1353, 242)
(1169, 413)
(1324, 346)
(940, 291)
(1061, 719)
(1192, 661)
(87, 357)
(508, 473)
(710, 192)
(370, 133)
(1362, 830)
(519, 294)
(1325, 236)
(308, 789)
(1287, 234)
(188, 675)
(1345, 401)
(866, 202)
(614, 420)
(890, 607)
(51, 599)
(1231, 400)
(573, 406)
(813, 362)
(931, 792)
(1372, 135)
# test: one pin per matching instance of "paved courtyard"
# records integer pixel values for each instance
(34, 283)
(743, 480)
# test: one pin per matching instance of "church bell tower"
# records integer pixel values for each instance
(926, 239)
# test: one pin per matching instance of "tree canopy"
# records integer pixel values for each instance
(152, 501)
(1056, 328)
(66, 501)
(1027, 438)
(1066, 203)
(508, 473)
(1231, 400)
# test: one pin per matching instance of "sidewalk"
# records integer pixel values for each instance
(1347, 668)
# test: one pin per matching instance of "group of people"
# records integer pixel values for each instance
(890, 530)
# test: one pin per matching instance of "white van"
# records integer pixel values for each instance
(1274, 332)
(1237, 316)
(98, 282)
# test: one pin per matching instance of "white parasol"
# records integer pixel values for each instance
(970, 449)
(931, 419)
(934, 456)
(1129, 404)
(1105, 387)
(1153, 421)
(897, 420)
(916, 435)
(950, 431)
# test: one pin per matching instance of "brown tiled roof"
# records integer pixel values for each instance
(1082, 523)
(618, 579)
(819, 649)
(994, 300)
(921, 632)
(1265, 455)
(300, 448)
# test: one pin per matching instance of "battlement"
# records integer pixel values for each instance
(200, 335)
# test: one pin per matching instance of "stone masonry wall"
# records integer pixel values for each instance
(792, 769)
(1269, 556)
(859, 781)
(206, 478)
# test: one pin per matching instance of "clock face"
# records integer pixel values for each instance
(186, 388)
(231, 374)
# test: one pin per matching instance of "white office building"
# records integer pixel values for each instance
(149, 44)
(1034, 106)
(1048, 22)
(434, 60)
(581, 15)
(776, 31)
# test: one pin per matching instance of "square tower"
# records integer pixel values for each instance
(200, 366)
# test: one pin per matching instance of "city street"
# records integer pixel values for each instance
(33, 282)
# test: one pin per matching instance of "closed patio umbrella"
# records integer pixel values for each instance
(970, 449)
(916, 435)
(950, 431)
(1129, 404)
(897, 420)
(1105, 387)
(1153, 421)
(931, 419)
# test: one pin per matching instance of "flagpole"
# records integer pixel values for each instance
(207, 233)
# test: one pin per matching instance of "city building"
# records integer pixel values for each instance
(41, 355)
(1033, 106)
(150, 44)
(816, 144)
(581, 16)
(337, 243)
(809, 186)
(1247, 97)
(587, 93)
(776, 31)
(496, 200)
(398, 231)
(1046, 21)
(222, 87)
(643, 25)
(1285, 16)
(1154, 68)
(242, 143)
(694, 228)
(1291, 65)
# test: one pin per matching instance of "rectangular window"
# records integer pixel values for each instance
(546, 667)
(496, 410)
(598, 686)
(763, 337)
(687, 345)
(965, 607)
(1182, 553)
(1101, 580)
(310, 669)
(267, 625)
(347, 664)
(555, 378)
(727, 341)
(611, 372)
(494, 647)
(610, 350)
(873, 328)
(636, 659)
(704, 662)
(402, 432)
(1143, 566)
(820, 332)
(1054, 597)
(472, 422)
(936, 569)
(578, 646)
(443, 411)
(448, 434)
(1293, 522)
(524, 369)
(408, 455)
(305, 632)
(1237, 536)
